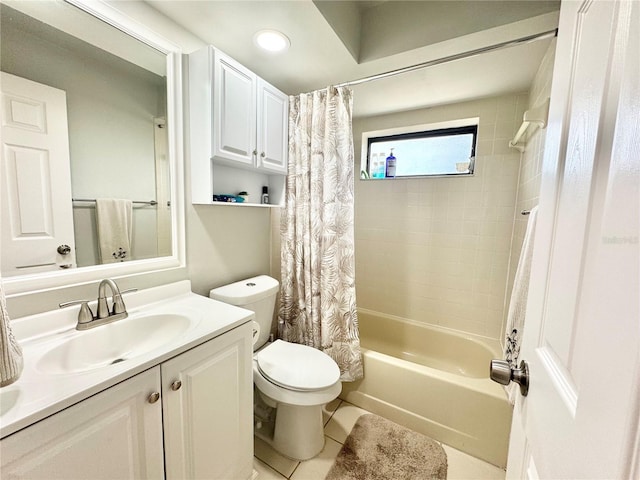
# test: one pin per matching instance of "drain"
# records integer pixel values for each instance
(117, 360)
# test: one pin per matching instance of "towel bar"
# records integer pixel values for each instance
(150, 202)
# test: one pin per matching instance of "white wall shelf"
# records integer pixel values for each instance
(242, 204)
(538, 115)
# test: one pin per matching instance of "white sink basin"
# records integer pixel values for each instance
(8, 400)
(113, 343)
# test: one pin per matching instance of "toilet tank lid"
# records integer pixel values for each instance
(246, 291)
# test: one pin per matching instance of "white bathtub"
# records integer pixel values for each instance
(435, 381)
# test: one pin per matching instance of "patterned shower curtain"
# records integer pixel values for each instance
(318, 299)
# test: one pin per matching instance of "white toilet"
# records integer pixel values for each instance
(292, 381)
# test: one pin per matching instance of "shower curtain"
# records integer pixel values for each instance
(318, 304)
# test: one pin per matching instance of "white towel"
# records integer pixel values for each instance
(518, 303)
(114, 221)
(10, 352)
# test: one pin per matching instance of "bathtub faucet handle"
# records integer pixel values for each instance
(502, 373)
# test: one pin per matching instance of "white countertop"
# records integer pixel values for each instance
(36, 394)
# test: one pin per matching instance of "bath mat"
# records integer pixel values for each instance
(377, 449)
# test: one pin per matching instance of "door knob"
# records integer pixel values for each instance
(64, 249)
(502, 373)
(154, 397)
(176, 385)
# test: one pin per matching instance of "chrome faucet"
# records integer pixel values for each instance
(87, 320)
(118, 305)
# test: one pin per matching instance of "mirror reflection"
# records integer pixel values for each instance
(85, 167)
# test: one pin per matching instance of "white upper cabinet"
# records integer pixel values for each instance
(273, 118)
(237, 120)
(234, 112)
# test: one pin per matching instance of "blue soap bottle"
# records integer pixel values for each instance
(391, 165)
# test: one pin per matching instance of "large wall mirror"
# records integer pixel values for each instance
(92, 145)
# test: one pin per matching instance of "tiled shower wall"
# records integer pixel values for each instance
(437, 250)
(531, 161)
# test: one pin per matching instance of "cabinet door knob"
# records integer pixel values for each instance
(176, 385)
(154, 397)
(263, 154)
(255, 152)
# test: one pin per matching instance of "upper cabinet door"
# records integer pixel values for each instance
(37, 217)
(273, 117)
(234, 111)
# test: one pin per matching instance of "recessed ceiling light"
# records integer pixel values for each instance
(271, 41)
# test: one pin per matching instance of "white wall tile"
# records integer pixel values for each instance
(447, 240)
(530, 171)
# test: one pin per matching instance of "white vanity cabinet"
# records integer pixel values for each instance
(116, 433)
(238, 126)
(207, 403)
(205, 421)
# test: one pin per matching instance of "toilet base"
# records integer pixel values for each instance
(296, 433)
(299, 432)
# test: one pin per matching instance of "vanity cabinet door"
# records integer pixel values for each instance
(208, 409)
(273, 128)
(234, 111)
(113, 434)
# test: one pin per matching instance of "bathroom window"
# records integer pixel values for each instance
(426, 152)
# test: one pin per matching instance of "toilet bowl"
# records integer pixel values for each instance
(297, 381)
(292, 382)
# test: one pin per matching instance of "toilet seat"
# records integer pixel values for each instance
(282, 395)
(297, 367)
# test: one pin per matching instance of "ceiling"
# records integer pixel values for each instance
(334, 41)
(62, 24)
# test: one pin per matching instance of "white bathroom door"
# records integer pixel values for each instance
(582, 332)
(37, 215)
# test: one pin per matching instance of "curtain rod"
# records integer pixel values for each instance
(451, 58)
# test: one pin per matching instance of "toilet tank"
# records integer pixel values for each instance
(257, 294)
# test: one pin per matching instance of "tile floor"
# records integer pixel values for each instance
(339, 418)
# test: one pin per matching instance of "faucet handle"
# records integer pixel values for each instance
(72, 303)
(118, 302)
(85, 315)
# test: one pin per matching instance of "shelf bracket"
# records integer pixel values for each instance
(537, 116)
